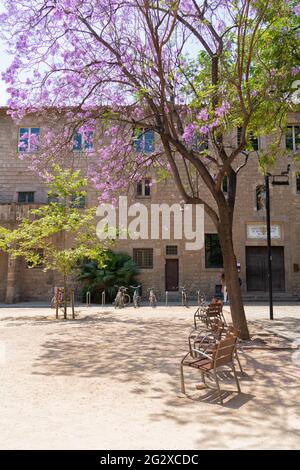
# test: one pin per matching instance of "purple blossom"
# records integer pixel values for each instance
(203, 115)
(189, 133)
(58, 63)
(295, 70)
(222, 110)
(296, 10)
(204, 130)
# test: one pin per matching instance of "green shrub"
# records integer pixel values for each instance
(119, 270)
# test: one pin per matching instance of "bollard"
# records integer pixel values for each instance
(103, 298)
(88, 299)
(198, 297)
(167, 295)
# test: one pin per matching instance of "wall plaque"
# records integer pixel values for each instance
(259, 232)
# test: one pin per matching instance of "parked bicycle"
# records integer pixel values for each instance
(201, 298)
(152, 297)
(136, 299)
(58, 298)
(122, 298)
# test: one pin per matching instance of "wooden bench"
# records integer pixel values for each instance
(218, 355)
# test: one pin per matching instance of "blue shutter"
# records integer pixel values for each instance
(77, 142)
(88, 140)
(34, 144)
(23, 139)
(149, 140)
(138, 140)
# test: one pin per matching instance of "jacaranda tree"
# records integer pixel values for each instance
(186, 69)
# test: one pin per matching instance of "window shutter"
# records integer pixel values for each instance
(34, 138)
(239, 135)
(88, 140)
(289, 138)
(23, 139)
(149, 141)
(77, 142)
(138, 140)
(297, 138)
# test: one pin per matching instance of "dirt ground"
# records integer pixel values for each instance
(110, 380)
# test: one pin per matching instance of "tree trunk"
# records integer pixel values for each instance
(231, 276)
(65, 297)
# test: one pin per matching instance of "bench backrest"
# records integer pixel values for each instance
(224, 351)
(214, 309)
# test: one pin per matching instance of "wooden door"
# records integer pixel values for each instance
(257, 268)
(172, 274)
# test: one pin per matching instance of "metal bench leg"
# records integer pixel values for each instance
(239, 363)
(182, 379)
(236, 378)
(218, 386)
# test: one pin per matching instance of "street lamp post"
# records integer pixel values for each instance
(282, 182)
(267, 188)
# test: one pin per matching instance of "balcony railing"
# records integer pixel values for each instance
(15, 211)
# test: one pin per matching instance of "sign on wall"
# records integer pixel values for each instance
(259, 232)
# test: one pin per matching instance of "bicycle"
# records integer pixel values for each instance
(58, 298)
(201, 298)
(152, 297)
(136, 299)
(122, 298)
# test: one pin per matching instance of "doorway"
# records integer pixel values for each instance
(172, 275)
(257, 268)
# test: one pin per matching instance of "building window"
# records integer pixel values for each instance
(260, 197)
(29, 139)
(52, 198)
(200, 143)
(298, 183)
(83, 141)
(143, 257)
(26, 197)
(40, 264)
(292, 138)
(213, 252)
(78, 201)
(144, 140)
(254, 141)
(143, 188)
(172, 250)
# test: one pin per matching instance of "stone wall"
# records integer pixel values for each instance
(285, 212)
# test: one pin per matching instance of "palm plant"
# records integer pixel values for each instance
(119, 269)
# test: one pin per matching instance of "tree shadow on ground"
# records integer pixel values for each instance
(147, 354)
(45, 320)
(287, 327)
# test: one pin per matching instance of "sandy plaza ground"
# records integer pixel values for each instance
(110, 380)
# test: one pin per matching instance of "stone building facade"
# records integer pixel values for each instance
(165, 263)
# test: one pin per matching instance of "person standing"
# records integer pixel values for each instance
(224, 288)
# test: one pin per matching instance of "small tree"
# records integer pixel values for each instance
(60, 234)
(123, 64)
